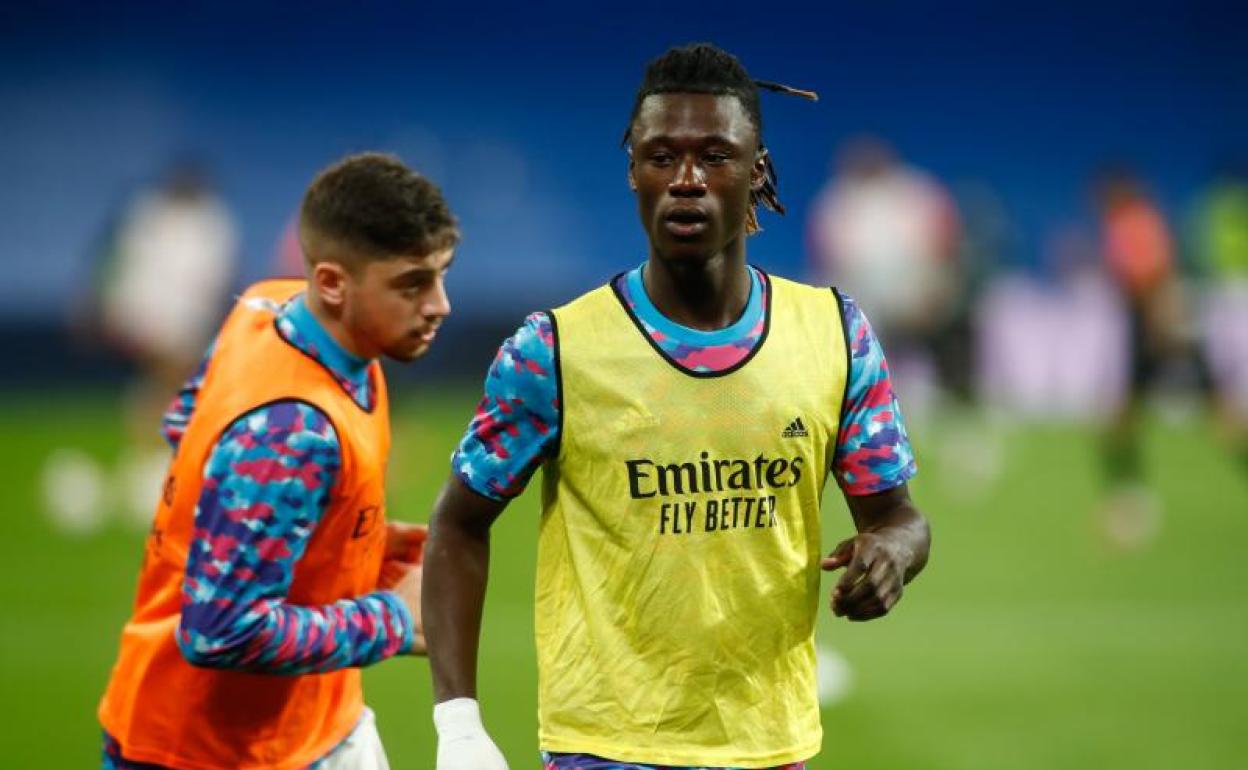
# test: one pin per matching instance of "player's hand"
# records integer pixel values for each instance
(408, 587)
(406, 542)
(463, 743)
(405, 548)
(875, 576)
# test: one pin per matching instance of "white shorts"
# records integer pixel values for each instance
(361, 750)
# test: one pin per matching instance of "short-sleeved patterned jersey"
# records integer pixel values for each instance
(516, 424)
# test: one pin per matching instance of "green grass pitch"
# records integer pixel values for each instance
(1026, 644)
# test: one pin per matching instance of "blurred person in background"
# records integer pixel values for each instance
(686, 416)
(988, 244)
(1137, 249)
(271, 575)
(1050, 340)
(889, 233)
(169, 266)
(1220, 235)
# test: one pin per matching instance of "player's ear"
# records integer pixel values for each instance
(758, 174)
(329, 281)
(632, 180)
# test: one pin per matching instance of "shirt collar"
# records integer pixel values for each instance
(738, 329)
(310, 336)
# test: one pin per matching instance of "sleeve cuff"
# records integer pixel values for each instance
(876, 486)
(402, 625)
(474, 487)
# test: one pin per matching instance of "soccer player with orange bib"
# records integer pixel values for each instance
(686, 416)
(271, 575)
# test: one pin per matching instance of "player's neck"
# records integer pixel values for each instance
(704, 295)
(332, 323)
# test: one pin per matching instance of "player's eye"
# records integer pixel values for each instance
(662, 158)
(716, 158)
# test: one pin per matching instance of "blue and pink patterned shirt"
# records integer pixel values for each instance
(516, 424)
(266, 485)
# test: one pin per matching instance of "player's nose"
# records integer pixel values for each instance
(438, 302)
(689, 181)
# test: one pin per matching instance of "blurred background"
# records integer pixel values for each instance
(1042, 208)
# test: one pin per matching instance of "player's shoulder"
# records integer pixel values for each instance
(537, 331)
(529, 349)
(271, 292)
(849, 305)
(792, 285)
(590, 300)
(525, 361)
(788, 289)
(290, 419)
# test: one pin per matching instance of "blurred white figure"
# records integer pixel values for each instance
(140, 476)
(74, 492)
(173, 260)
(887, 234)
(833, 676)
(1225, 327)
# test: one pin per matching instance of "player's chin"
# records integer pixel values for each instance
(408, 350)
(687, 251)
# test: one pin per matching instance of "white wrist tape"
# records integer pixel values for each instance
(458, 718)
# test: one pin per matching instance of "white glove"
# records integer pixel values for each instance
(462, 741)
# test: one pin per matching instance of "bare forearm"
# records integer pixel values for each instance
(894, 515)
(911, 532)
(456, 570)
(456, 565)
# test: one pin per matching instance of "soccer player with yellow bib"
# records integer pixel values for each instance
(686, 416)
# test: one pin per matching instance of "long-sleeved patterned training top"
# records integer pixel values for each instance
(267, 483)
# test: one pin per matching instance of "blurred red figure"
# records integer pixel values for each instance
(288, 254)
(1139, 257)
(1138, 248)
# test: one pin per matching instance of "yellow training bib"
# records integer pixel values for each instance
(678, 561)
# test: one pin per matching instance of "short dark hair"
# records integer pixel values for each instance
(699, 68)
(702, 68)
(371, 206)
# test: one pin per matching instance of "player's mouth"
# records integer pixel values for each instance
(686, 221)
(427, 335)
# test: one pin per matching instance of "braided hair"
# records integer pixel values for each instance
(702, 68)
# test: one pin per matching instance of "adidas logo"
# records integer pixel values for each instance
(796, 429)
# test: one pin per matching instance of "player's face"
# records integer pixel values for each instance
(693, 162)
(393, 307)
